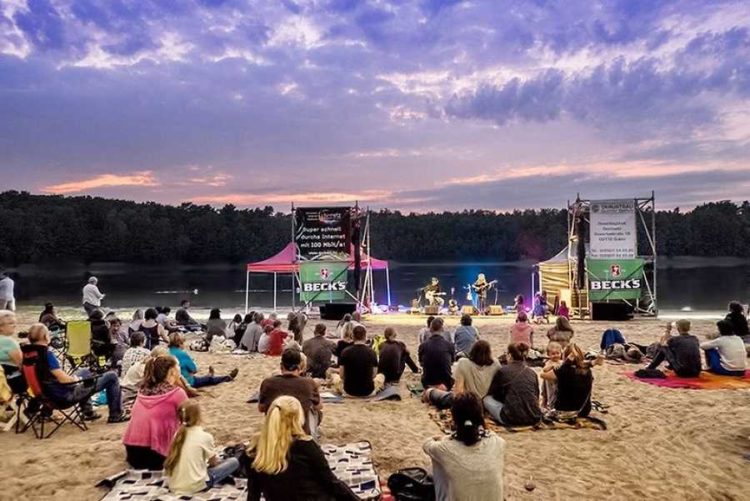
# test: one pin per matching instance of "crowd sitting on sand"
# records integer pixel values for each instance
(148, 368)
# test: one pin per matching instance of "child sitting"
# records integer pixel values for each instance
(192, 464)
(549, 388)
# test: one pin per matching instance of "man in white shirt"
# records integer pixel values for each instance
(92, 297)
(7, 296)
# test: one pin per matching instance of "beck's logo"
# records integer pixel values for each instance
(324, 273)
(604, 285)
(614, 270)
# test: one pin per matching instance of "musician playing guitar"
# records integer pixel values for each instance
(481, 286)
(433, 294)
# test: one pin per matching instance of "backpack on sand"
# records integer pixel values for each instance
(412, 484)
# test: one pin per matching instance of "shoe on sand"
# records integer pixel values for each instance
(211, 371)
(91, 416)
(122, 418)
(234, 373)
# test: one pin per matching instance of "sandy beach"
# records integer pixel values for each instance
(660, 443)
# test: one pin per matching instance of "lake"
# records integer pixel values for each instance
(681, 285)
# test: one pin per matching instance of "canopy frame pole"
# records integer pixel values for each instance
(247, 290)
(388, 284)
(274, 291)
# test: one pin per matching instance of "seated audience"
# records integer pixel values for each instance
(473, 374)
(240, 330)
(252, 334)
(342, 323)
(465, 336)
(437, 326)
(394, 357)
(182, 317)
(276, 339)
(513, 397)
(563, 310)
(135, 324)
(102, 344)
(682, 352)
(234, 326)
(574, 381)
(468, 465)
(562, 332)
(188, 367)
(272, 317)
(424, 332)
(738, 320)
(119, 335)
(154, 332)
(347, 339)
(163, 319)
(319, 352)
(265, 338)
(66, 389)
(215, 325)
(10, 351)
(292, 382)
(436, 357)
(49, 318)
(518, 305)
(135, 353)
(287, 464)
(192, 464)
(154, 420)
(358, 367)
(549, 387)
(726, 354)
(522, 331)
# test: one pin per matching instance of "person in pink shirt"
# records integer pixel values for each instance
(563, 311)
(522, 331)
(154, 421)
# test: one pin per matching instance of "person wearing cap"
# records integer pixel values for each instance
(7, 294)
(92, 297)
(291, 382)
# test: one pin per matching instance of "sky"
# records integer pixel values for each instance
(412, 105)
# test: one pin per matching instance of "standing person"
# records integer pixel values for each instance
(319, 352)
(574, 381)
(215, 325)
(292, 382)
(92, 297)
(188, 367)
(518, 305)
(726, 355)
(358, 367)
(562, 310)
(465, 336)
(473, 374)
(682, 352)
(481, 287)
(513, 397)
(394, 357)
(287, 464)
(436, 357)
(192, 464)
(252, 334)
(7, 292)
(468, 465)
(296, 325)
(522, 331)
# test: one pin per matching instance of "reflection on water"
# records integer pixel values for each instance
(700, 288)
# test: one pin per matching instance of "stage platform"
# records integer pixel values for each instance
(452, 320)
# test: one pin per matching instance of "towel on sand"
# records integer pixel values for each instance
(444, 421)
(705, 381)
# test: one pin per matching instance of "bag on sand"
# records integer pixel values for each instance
(650, 374)
(412, 484)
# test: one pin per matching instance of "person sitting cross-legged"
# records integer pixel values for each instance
(394, 357)
(472, 374)
(319, 352)
(465, 336)
(358, 367)
(189, 369)
(513, 396)
(726, 354)
(60, 388)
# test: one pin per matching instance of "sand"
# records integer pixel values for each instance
(660, 444)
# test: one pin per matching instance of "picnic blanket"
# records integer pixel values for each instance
(444, 420)
(705, 381)
(351, 463)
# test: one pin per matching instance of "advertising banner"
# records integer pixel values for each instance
(613, 230)
(323, 233)
(323, 282)
(614, 278)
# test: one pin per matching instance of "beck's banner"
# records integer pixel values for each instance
(613, 230)
(614, 278)
(323, 282)
(323, 233)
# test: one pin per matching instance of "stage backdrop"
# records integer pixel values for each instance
(323, 282)
(323, 233)
(614, 278)
(612, 229)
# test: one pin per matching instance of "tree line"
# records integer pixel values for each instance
(53, 229)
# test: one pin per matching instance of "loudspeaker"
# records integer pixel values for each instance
(468, 310)
(611, 311)
(432, 310)
(336, 311)
(496, 309)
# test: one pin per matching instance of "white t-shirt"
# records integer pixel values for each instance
(263, 343)
(732, 352)
(92, 295)
(191, 472)
(6, 289)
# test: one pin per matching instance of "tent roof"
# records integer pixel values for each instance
(286, 261)
(561, 257)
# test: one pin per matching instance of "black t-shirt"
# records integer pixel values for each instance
(358, 362)
(436, 358)
(391, 363)
(574, 389)
(517, 387)
(684, 355)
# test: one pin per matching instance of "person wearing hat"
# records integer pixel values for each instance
(92, 297)
(7, 295)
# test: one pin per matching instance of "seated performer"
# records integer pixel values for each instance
(432, 293)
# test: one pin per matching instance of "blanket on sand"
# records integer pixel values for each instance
(444, 421)
(705, 381)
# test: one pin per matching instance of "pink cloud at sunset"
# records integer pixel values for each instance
(144, 178)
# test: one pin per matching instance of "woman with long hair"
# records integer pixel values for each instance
(192, 464)
(49, 317)
(468, 465)
(574, 381)
(153, 330)
(287, 464)
(215, 326)
(473, 375)
(513, 397)
(153, 420)
(562, 332)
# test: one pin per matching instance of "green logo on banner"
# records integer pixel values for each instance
(614, 278)
(323, 282)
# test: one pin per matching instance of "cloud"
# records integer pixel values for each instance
(145, 178)
(334, 197)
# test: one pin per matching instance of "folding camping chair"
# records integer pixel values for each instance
(78, 351)
(35, 371)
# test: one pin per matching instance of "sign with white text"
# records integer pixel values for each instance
(612, 229)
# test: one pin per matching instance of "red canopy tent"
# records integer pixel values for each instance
(286, 262)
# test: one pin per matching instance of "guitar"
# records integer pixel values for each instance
(431, 295)
(484, 287)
